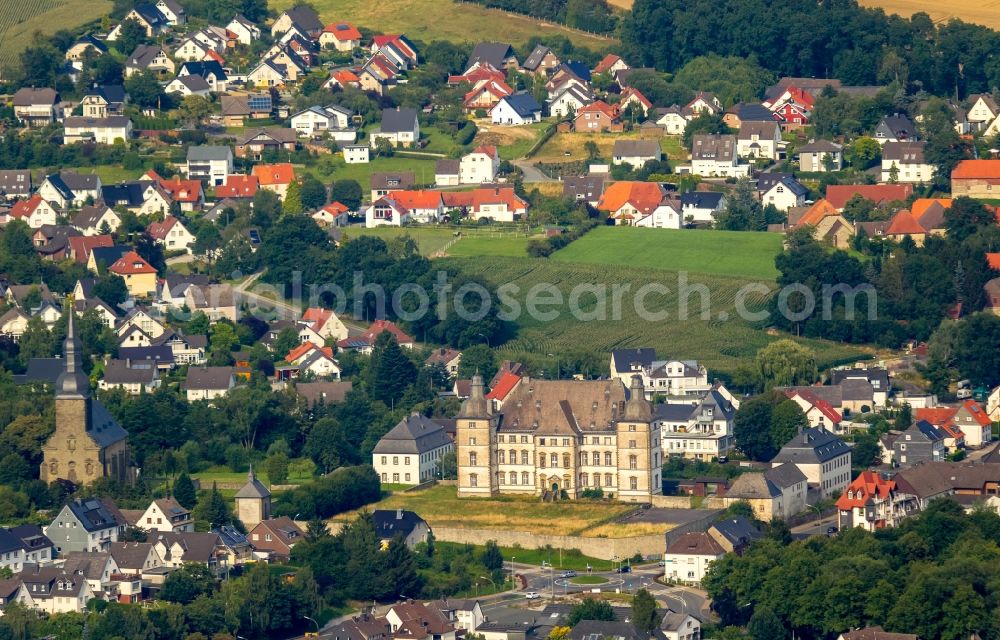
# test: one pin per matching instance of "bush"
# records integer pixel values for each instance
(237, 458)
(345, 489)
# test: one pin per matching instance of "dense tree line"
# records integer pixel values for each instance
(932, 576)
(837, 39)
(589, 15)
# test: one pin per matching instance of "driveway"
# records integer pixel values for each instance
(531, 172)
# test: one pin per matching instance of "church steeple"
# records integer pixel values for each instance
(72, 383)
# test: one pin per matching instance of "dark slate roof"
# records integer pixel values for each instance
(130, 555)
(129, 194)
(899, 125)
(9, 542)
(413, 434)
(79, 181)
(737, 530)
(323, 391)
(535, 57)
(31, 536)
(599, 629)
(193, 83)
(111, 93)
(784, 475)
(930, 432)
(637, 148)
(493, 53)
(120, 372)
(254, 488)
(379, 180)
(701, 199)
(821, 146)
(878, 376)
(230, 536)
(751, 112)
(41, 370)
(589, 187)
(107, 256)
(580, 69)
(203, 68)
(624, 358)
(447, 167)
(143, 55)
(813, 445)
(208, 378)
(159, 353)
(150, 14)
(398, 119)
(305, 18)
(104, 429)
(673, 412)
(94, 42)
(15, 182)
(768, 181)
(392, 522)
(92, 514)
(523, 103)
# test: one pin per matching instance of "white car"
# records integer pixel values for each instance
(532, 595)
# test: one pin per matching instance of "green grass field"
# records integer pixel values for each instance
(727, 253)
(20, 20)
(422, 168)
(720, 344)
(568, 559)
(471, 246)
(429, 20)
(110, 174)
(474, 241)
(511, 142)
(430, 240)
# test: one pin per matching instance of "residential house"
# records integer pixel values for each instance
(570, 99)
(870, 502)
(793, 108)
(818, 411)
(736, 115)
(703, 102)
(597, 117)
(422, 206)
(333, 120)
(52, 590)
(414, 621)
(148, 16)
(275, 177)
(779, 492)
(689, 556)
(342, 36)
(541, 60)
(680, 626)
(781, 190)
(895, 128)
(216, 301)
(447, 358)
(390, 523)
(104, 101)
(632, 98)
(133, 378)
(166, 514)
(324, 324)
(268, 74)
(140, 319)
(178, 549)
(516, 109)
(386, 212)
(698, 428)
(411, 451)
(921, 442)
(236, 109)
(364, 342)
(588, 188)
(276, 537)
(735, 535)
(904, 162)
(626, 201)
(211, 164)
(821, 156)
(87, 524)
(68, 189)
(208, 383)
(15, 184)
(77, 53)
(139, 275)
(343, 78)
(975, 178)
(35, 107)
(878, 377)
(838, 194)
(479, 165)
(498, 55)
(245, 31)
(499, 204)
(254, 142)
(485, 95)
(875, 633)
(636, 153)
(149, 57)
(759, 140)
(446, 172)
(14, 323)
(35, 212)
(238, 187)
(99, 130)
(335, 214)
(700, 207)
(671, 119)
(382, 183)
(399, 126)
(171, 234)
(983, 111)
(822, 457)
(611, 64)
(302, 17)
(135, 558)
(966, 423)
(715, 155)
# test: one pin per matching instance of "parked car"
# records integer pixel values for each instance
(831, 530)
(568, 574)
(532, 595)
(624, 569)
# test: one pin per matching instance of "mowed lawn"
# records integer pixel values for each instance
(422, 168)
(429, 20)
(441, 507)
(721, 342)
(430, 240)
(499, 244)
(727, 253)
(20, 20)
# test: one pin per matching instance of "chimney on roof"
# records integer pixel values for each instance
(399, 514)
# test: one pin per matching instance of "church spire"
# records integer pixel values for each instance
(72, 383)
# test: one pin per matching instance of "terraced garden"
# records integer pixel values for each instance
(20, 20)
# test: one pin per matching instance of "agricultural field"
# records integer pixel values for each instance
(558, 146)
(985, 13)
(430, 240)
(722, 342)
(441, 507)
(437, 242)
(429, 20)
(337, 169)
(726, 253)
(20, 20)
(511, 142)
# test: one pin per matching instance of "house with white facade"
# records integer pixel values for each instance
(410, 452)
(689, 556)
(516, 109)
(821, 456)
(211, 164)
(479, 165)
(399, 126)
(715, 155)
(781, 190)
(759, 140)
(100, 130)
(904, 162)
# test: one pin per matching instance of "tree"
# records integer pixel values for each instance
(752, 429)
(288, 339)
(188, 582)
(207, 241)
(111, 289)
(144, 89)
(864, 152)
(347, 193)
(313, 193)
(276, 467)
(390, 369)
(492, 558)
(787, 420)
(765, 625)
(784, 363)
(193, 109)
(967, 217)
(293, 200)
(644, 613)
(184, 492)
(213, 509)
(743, 211)
(130, 35)
(732, 79)
(590, 609)
(480, 359)
(329, 446)
(223, 338)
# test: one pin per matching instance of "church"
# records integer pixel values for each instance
(559, 438)
(88, 444)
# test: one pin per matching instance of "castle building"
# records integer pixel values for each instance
(88, 443)
(555, 436)
(253, 502)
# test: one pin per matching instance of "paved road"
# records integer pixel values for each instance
(815, 528)
(269, 308)
(531, 172)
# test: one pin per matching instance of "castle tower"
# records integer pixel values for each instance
(475, 435)
(639, 459)
(253, 502)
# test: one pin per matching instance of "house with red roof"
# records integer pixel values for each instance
(478, 76)
(140, 276)
(81, 246)
(171, 234)
(299, 353)
(819, 412)
(904, 225)
(319, 325)
(35, 212)
(611, 64)
(343, 78)
(333, 214)
(363, 343)
(993, 259)
(188, 193)
(275, 177)
(422, 205)
(499, 204)
(486, 95)
(479, 165)
(386, 212)
(968, 422)
(870, 502)
(626, 200)
(839, 194)
(975, 178)
(502, 389)
(632, 96)
(598, 116)
(342, 36)
(793, 107)
(238, 186)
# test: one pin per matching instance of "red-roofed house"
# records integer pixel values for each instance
(598, 116)
(610, 64)
(819, 412)
(628, 200)
(342, 36)
(386, 212)
(793, 107)
(343, 78)
(839, 194)
(172, 234)
(238, 186)
(364, 342)
(322, 324)
(976, 178)
(304, 350)
(968, 422)
(632, 96)
(275, 177)
(334, 214)
(502, 389)
(994, 261)
(81, 246)
(479, 165)
(188, 193)
(904, 225)
(478, 76)
(499, 204)
(423, 205)
(35, 212)
(486, 95)
(869, 502)
(139, 275)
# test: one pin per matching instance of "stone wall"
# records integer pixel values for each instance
(685, 502)
(603, 548)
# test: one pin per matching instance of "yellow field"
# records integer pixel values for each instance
(556, 148)
(985, 13)
(442, 20)
(20, 20)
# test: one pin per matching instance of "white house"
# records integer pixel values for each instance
(781, 190)
(166, 514)
(266, 74)
(386, 212)
(480, 165)
(516, 109)
(192, 49)
(100, 130)
(569, 100)
(635, 152)
(399, 126)
(189, 86)
(499, 204)
(171, 234)
(246, 32)
(822, 457)
(356, 153)
(35, 212)
(211, 164)
(672, 120)
(208, 383)
(701, 206)
(332, 119)
(759, 139)
(666, 215)
(689, 556)
(904, 162)
(715, 155)
(410, 452)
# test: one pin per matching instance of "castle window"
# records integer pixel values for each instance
(525, 479)
(609, 479)
(473, 480)
(541, 460)
(513, 477)
(631, 427)
(584, 480)
(524, 457)
(555, 459)
(472, 441)
(500, 456)
(633, 462)
(607, 458)
(633, 483)
(565, 461)
(472, 459)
